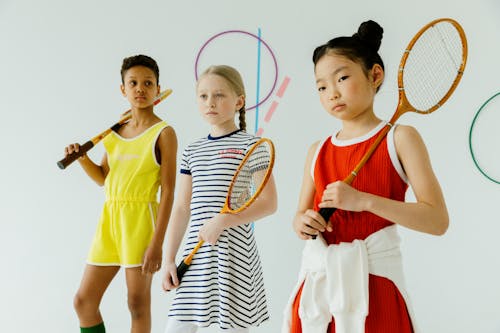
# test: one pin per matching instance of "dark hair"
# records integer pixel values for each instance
(362, 47)
(140, 60)
(233, 78)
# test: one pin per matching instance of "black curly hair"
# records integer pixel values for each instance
(140, 60)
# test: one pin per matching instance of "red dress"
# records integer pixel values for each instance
(387, 312)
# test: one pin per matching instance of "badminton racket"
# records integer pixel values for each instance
(429, 71)
(246, 185)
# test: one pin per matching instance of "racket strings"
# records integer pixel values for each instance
(432, 66)
(250, 177)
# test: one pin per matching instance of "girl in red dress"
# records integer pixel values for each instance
(351, 277)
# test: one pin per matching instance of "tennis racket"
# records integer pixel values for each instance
(430, 70)
(70, 158)
(246, 185)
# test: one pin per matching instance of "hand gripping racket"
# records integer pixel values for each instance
(246, 185)
(430, 70)
(70, 158)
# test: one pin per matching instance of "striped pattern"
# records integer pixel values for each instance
(224, 284)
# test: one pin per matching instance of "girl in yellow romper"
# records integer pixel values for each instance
(140, 158)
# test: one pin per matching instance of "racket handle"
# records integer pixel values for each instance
(325, 213)
(181, 270)
(62, 164)
(184, 265)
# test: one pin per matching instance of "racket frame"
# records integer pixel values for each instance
(404, 105)
(226, 208)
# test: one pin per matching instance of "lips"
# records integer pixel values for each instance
(338, 107)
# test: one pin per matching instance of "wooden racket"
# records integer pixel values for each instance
(246, 185)
(70, 158)
(430, 70)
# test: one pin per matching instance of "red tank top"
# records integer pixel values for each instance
(334, 161)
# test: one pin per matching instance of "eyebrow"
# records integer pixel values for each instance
(335, 72)
(146, 77)
(211, 91)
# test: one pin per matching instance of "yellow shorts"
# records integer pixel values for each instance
(124, 232)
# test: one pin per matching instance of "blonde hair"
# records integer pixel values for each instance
(233, 78)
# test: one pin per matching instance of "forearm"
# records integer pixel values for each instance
(419, 216)
(162, 220)
(265, 205)
(176, 230)
(94, 171)
(256, 211)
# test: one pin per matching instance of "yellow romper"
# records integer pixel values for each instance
(128, 217)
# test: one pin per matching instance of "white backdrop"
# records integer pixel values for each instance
(59, 65)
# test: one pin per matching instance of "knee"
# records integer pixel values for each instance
(138, 304)
(83, 304)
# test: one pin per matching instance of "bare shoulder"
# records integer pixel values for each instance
(168, 131)
(168, 136)
(407, 137)
(312, 151)
(411, 149)
(166, 147)
(313, 148)
(405, 132)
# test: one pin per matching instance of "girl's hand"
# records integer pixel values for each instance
(212, 228)
(74, 147)
(170, 280)
(152, 259)
(310, 223)
(342, 196)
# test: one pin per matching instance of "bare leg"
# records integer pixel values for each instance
(139, 299)
(94, 283)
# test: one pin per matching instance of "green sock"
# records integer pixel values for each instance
(94, 329)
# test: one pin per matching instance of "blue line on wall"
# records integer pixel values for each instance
(257, 95)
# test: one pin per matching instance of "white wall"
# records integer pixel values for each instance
(59, 65)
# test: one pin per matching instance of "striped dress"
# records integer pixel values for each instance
(224, 284)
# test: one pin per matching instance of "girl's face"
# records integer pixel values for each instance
(217, 102)
(345, 90)
(140, 87)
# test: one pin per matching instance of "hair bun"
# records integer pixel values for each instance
(370, 34)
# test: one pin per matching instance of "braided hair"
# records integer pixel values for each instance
(233, 78)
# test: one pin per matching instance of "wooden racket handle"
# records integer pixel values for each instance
(70, 158)
(95, 140)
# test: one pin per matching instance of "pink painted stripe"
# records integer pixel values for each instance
(283, 87)
(259, 131)
(270, 112)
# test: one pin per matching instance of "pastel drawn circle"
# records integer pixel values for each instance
(236, 33)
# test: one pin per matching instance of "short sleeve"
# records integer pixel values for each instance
(260, 158)
(185, 162)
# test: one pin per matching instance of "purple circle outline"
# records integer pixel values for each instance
(252, 35)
